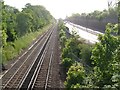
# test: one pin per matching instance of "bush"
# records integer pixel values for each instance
(63, 41)
(66, 53)
(76, 74)
(86, 52)
(67, 62)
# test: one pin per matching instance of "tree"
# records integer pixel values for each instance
(103, 56)
(24, 23)
(39, 14)
(11, 23)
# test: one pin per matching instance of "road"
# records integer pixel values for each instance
(85, 33)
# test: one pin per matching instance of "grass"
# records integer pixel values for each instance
(12, 50)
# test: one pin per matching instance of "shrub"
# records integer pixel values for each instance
(67, 62)
(76, 74)
(86, 52)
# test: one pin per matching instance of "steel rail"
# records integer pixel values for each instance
(33, 81)
(27, 50)
(22, 85)
(48, 73)
(20, 67)
(30, 48)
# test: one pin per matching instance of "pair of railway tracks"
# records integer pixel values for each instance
(34, 68)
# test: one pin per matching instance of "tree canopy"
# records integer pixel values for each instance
(16, 24)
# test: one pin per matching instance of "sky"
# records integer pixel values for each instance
(63, 8)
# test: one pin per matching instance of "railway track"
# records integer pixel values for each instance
(47, 75)
(36, 70)
(23, 58)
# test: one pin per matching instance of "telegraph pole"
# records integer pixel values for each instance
(86, 23)
(119, 17)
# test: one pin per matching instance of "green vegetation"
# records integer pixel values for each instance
(106, 60)
(96, 66)
(73, 49)
(20, 28)
(75, 75)
(11, 50)
(96, 20)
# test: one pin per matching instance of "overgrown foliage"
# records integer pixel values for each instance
(75, 75)
(103, 61)
(106, 60)
(17, 24)
(74, 51)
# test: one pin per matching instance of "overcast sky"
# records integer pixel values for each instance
(63, 8)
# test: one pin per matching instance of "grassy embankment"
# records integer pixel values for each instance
(12, 50)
